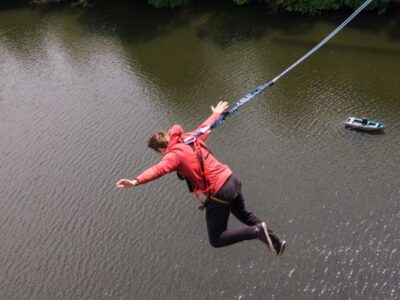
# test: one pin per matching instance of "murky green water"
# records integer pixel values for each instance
(82, 90)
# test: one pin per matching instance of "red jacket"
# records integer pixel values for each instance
(181, 158)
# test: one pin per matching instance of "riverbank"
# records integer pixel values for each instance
(273, 6)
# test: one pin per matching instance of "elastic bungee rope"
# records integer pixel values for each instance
(190, 139)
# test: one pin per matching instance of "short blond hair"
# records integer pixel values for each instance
(158, 140)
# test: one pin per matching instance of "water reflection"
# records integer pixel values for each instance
(81, 91)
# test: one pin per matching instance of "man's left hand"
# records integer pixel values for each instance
(220, 107)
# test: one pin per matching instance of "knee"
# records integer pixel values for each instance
(214, 242)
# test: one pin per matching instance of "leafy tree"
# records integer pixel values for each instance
(241, 2)
(166, 3)
(376, 4)
(302, 6)
(317, 6)
(308, 6)
(84, 3)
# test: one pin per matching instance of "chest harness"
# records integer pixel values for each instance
(198, 147)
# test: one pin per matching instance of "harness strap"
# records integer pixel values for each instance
(214, 199)
(197, 146)
(218, 200)
(203, 173)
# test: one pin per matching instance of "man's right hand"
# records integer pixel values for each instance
(126, 183)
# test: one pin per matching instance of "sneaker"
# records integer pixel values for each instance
(263, 235)
(280, 247)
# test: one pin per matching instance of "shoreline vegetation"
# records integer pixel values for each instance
(275, 6)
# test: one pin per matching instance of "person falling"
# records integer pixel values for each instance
(196, 164)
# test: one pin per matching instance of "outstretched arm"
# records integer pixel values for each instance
(216, 113)
(168, 164)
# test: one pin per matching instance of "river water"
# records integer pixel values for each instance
(81, 90)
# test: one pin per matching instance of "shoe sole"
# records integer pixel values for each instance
(269, 242)
(283, 246)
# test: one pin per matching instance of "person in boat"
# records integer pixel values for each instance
(364, 121)
(206, 175)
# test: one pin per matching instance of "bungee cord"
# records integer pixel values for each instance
(265, 86)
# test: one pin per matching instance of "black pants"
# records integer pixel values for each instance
(217, 216)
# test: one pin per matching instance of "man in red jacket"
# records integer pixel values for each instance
(205, 174)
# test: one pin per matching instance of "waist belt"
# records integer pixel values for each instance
(214, 199)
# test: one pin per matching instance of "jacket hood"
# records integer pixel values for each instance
(175, 134)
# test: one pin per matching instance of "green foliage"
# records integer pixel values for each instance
(241, 2)
(84, 3)
(376, 4)
(309, 6)
(317, 6)
(166, 3)
(302, 6)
